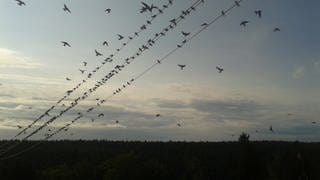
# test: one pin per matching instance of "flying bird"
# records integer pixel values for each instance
(204, 24)
(66, 9)
(105, 43)
(181, 66)
(157, 115)
(271, 129)
(185, 33)
(244, 23)
(84, 63)
(120, 37)
(64, 43)
(108, 10)
(101, 115)
(97, 53)
(258, 13)
(82, 71)
(276, 30)
(178, 124)
(220, 69)
(20, 3)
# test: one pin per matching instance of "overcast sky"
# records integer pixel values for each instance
(270, 78)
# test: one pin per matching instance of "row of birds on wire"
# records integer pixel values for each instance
(116, 70)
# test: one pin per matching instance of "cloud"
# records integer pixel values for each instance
(298, 72)
(11, 59)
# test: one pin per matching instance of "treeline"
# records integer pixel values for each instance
(92, 160)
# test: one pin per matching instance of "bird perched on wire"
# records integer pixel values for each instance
(185, 34)
(84, 63)
(68, 79)
(66, 9)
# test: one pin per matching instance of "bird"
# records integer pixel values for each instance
(68, 79)
(84, 63)
(64, 43)
(220, 69)
(97, 53)
(223, 13)
(181, 66)
(120, 37)
(66, 9)
(258, 13)
(157, 115)
(101, 115)
(105, 43)
(19, 127)
(185, 33)
(170, 2)
(204, 24)
(20, 3)
(244, 23)
(276, 30)
(108, 10)
(82, 71)
(313, 122)
(237, 3)
(178, 124)
(117, 121)
(158, 61)
(271, 129)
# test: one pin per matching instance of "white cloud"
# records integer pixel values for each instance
(298, 72)
(14, 60)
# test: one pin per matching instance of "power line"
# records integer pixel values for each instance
(136, 77)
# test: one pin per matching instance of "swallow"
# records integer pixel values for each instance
(220, 69)
(258, 13)
(64, 43)
(120, 37)
(97, 53)
(182, 66)
(105, 43)
(185, 33)
(244, 23)
(20, 3)
(66, 9)
(108, 11)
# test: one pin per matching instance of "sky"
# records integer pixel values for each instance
(269, 78)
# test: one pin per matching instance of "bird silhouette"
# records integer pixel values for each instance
(117, 121)
(20, 3)
(220, 69)
(170, 2)
(82, 71)
(19, 127)
(276, 30)
(244, 23)
(237, 3)
(108, 10)
(313, 122)
(105, 43)
(258, 13)
(97, 53)
(223, 13)
(178, 124)
(182, 66)
(101, 115)
(185, 33)
(204, 24)
(64, 43)
(271, 129)
(84, 63)
(66, 9)
(120, 37)
(158, 61)
(68, 79)
(157, 115)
